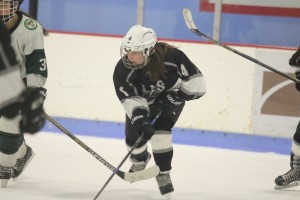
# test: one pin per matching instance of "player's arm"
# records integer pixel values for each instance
(36, 62)
(15, 97)
(135, 106)
(127, 92)
(295, 62)
(193, 84)
(11, 84)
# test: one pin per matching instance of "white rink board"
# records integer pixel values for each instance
(80, 83)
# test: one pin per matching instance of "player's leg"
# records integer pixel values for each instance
(140, 156)
(14, 151)
(10, 141)
(293, 175)
(162, 147)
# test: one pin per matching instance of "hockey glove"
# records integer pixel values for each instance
(32, 110)
(298, 77)
(295, 61)
(170, 103)
(141, 122)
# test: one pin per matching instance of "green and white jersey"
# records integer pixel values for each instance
(27, 39)
(11, 84)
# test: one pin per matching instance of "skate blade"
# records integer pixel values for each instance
(4, 183)
(168, 196)
(27, 163)
(291, 185)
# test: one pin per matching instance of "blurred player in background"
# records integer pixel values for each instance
(28, 44)
(152, 81)
(292, 177)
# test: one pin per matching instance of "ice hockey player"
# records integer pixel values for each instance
(27, 42)
(292, 177)
(152, 81)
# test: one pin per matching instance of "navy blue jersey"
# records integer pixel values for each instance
(135, 90)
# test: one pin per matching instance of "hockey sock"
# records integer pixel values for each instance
(10, 143)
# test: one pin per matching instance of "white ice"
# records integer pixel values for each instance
(63, 170)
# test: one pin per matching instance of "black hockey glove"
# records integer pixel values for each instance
(295, 61)
(32, 110)
(141, 122)
(170, 102)
(298, 84)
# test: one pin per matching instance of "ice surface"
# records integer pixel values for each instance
(62, 169)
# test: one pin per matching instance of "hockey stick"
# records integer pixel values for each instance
(191, 25)
(124, 159)
(130, 176)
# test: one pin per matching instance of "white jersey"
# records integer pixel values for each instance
(11, 84)
(27, 39)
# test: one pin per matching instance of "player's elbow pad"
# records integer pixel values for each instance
(188, 97)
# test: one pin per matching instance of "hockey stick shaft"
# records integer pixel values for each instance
(126, 176)
(249, 58)
(122, 162)
(125, 158)
(189, 21)
(83, 145)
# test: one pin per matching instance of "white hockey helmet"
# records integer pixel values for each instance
(138, 39)
(8, 9)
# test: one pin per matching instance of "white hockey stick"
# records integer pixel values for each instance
(191, 25)
(127, 176)
(124, 159)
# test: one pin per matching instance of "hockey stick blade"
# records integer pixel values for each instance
(127, 176)
(187, 15)
(291, 185)
(188, 19)
(140, 175)
(137, 142)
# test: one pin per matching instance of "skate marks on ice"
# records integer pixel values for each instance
(62, 170)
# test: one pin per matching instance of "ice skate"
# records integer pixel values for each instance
(292, 177)
(139, 165)
(287, 180)
(22, 163)
(165, 185)
(5, 175)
